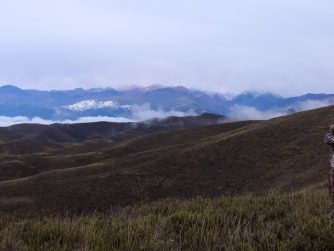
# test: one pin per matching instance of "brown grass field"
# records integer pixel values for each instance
(289, 221)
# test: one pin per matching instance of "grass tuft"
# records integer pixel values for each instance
(290, 221)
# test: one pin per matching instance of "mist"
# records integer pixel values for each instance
(139, 113)
(8, 121)
(239, 112)
(313, 104)
(145, 112)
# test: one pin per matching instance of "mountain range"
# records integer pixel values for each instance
(137, 104)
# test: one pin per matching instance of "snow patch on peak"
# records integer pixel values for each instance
(228, 96)
(93, 104)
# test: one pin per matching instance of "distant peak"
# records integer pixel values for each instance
(135, 88)
(152, 88)
(180, 88)
(256, 94)
(9, 88)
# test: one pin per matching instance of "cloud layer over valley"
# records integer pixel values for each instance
(138, 113)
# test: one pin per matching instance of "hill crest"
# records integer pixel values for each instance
(233, 158)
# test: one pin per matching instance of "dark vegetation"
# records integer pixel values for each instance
(167, 185)
(289, 221)
(57, 134)
(94, 175)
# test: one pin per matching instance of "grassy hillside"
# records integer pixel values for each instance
(291, 221)
(55, 135)
(281, 154)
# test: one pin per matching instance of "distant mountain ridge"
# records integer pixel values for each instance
(73, 104)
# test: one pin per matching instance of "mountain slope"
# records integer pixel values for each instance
(281, 154)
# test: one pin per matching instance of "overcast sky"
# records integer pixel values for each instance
(283, 46)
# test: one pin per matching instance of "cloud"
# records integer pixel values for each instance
(312, 104)
(98, 118)
(8, 121)
(145, 112)
(239, 112)
(139, 113)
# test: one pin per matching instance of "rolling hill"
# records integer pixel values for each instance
(58, 134)
(281, 154)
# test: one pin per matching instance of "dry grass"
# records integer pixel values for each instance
(290, 221)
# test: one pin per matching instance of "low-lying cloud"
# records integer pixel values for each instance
(313, 104)
(239, 112)
(8, 121)
(138, 113)
(145, 112)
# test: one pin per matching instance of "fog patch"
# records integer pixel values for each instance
(240, 112)
(8, 121)
(312, 104)
(138, 113)
(145, 112)
(99, 118)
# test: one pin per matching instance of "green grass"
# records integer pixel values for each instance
(290, 221)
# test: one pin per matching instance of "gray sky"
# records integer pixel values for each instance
(284, 46)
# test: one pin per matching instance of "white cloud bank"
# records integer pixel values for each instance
(313, 104)
(138, 113)
(239, 112)
(8, 121)
(145, 112)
